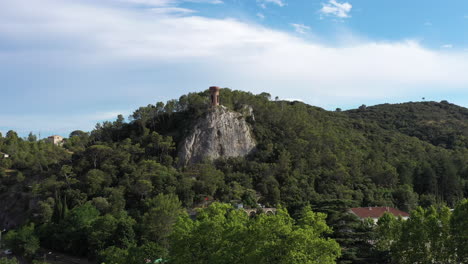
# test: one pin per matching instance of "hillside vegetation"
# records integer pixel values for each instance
(441, 124)
(123, 175)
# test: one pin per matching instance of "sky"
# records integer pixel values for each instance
(67, 64)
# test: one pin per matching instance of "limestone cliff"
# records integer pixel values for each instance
(221, 133)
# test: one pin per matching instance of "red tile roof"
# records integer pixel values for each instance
(376, 212)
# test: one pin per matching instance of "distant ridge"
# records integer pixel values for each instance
(442, 124)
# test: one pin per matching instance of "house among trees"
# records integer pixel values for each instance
(56, 140)
(376, 212)
(4, 155)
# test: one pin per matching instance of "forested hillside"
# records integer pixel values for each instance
(123, 175)
(441, 124)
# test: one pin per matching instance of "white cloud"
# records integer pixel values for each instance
(277, 2)
(263, 3)
(334, 8)
(172, 10)
(161, 3)
(427, 23)
(447, 46)
(260, 15)
(300, 28)
(149, 2)
(228, 52)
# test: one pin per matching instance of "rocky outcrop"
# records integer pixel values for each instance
(221, 133)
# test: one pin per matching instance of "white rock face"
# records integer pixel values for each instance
(221, 133)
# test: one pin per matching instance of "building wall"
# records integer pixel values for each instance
(56, 140)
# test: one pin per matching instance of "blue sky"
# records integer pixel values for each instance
(68, 64)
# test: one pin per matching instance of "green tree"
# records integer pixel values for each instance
(404, 198)
(388, 232)
(45, 210)
(209, 179)
(158, 221)
(101, 232)
(20, 177)
(107, 231)
(101, 204)
(98, 154)
(306, 244)
(77, 141)
(459, 231)
(11, 136)
(32, 137)
(423, 238)
(116, 200)
(67, 173)
(113, 255)
(71, 235)
(96, 180)
(6, 260)
(148, 251)
(224, 235)
(23, 241)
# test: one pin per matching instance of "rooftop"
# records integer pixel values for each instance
(377, 212)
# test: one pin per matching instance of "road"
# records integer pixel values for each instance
(52, 257)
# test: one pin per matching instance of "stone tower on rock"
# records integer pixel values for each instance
(214, 95)
(220, 133)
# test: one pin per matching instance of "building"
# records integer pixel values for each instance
(4, 155)
(376, 212)
(214, 95)
(56, 140)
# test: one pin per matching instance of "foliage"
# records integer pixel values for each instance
(432, 235)
(23, 241)
(442, 124)
(133, 255)
(123, 175)
(113, 255)
(353, 234)
(223, 235)
(459, 232)
(157, 222)
(5, 260)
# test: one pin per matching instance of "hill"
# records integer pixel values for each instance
(120, 172)
(441, 124)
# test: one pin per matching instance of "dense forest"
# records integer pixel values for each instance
(117, 195)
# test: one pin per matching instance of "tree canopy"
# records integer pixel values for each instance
(124, 175)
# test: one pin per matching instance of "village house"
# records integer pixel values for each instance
(4, 155)
(56, 140)
(376, 212)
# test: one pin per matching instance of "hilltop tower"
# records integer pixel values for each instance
(214, 95)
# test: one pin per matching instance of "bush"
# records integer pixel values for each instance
(23, 241)
(8, 261)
